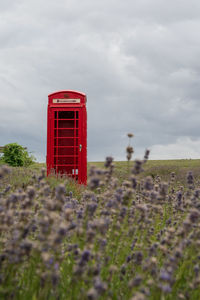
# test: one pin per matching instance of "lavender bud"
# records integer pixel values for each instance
(108, 161)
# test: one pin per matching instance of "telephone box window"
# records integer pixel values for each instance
(66, 115)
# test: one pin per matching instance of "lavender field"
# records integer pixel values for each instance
(132, 233)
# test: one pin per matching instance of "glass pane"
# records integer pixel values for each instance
(65, 124)
(66, 114)
(66, 133)
(66, 142)
(65, 170)
(66, 160)
(68, 151)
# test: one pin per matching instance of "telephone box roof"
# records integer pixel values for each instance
(67, 91)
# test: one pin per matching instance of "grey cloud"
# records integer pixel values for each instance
(137, 61)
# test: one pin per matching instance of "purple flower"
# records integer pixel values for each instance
(165, 288)
(91, 207)
(100, 286)
(194, 215)
(108, 161)
(137, 169)
(86, 254)
(164, 275)
(190, 178)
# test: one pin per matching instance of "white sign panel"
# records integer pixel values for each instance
(66, 100)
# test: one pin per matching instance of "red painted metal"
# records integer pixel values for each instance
(67, 135)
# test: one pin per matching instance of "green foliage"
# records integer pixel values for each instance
(16, 156)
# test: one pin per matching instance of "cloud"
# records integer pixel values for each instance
(183, 148)
(137, 61)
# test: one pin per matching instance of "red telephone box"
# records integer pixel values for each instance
(67, 135)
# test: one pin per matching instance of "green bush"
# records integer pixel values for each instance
(15, 155)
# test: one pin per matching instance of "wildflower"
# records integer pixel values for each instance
(130, 135)
(172, 175)
(86, 254)
(55, 278)
(13, 198)
(71, 226)
(153, 261)
(179, 196)
(196, 269)
(91, 207)
(7, 189)
(164, 275)
(165, 288)
(137, 168)
(181, 296)
(46, 257)
(4, 170)
(123, 269)
(135, 281)
(178, 253)
(190, 178)
(42, 176)
(103, 243)
(62, 230)
(113, 269)
(68, 214)
(197, 193)
(138, 257)
(46, 190)
(163, 190)
(60, 192)
(148, 184)
(129, 151)
(26, 247)
(134, 182)
(153, 195)
(169, 221)
(138, 296)
(108, 161)
(79, 214)
(100, 286)
(43, 279)
(92, 294)
(94, 182)
(31, 192)
(128, 259)
(142, 208)
(146, 155)
(194, 215)
(123, 212)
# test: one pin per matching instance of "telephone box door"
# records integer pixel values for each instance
(67, 141)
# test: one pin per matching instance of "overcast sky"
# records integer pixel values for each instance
(138, 61)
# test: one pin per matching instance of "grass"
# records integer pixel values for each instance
(22, 177)
(162, 168)
(109, 240)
